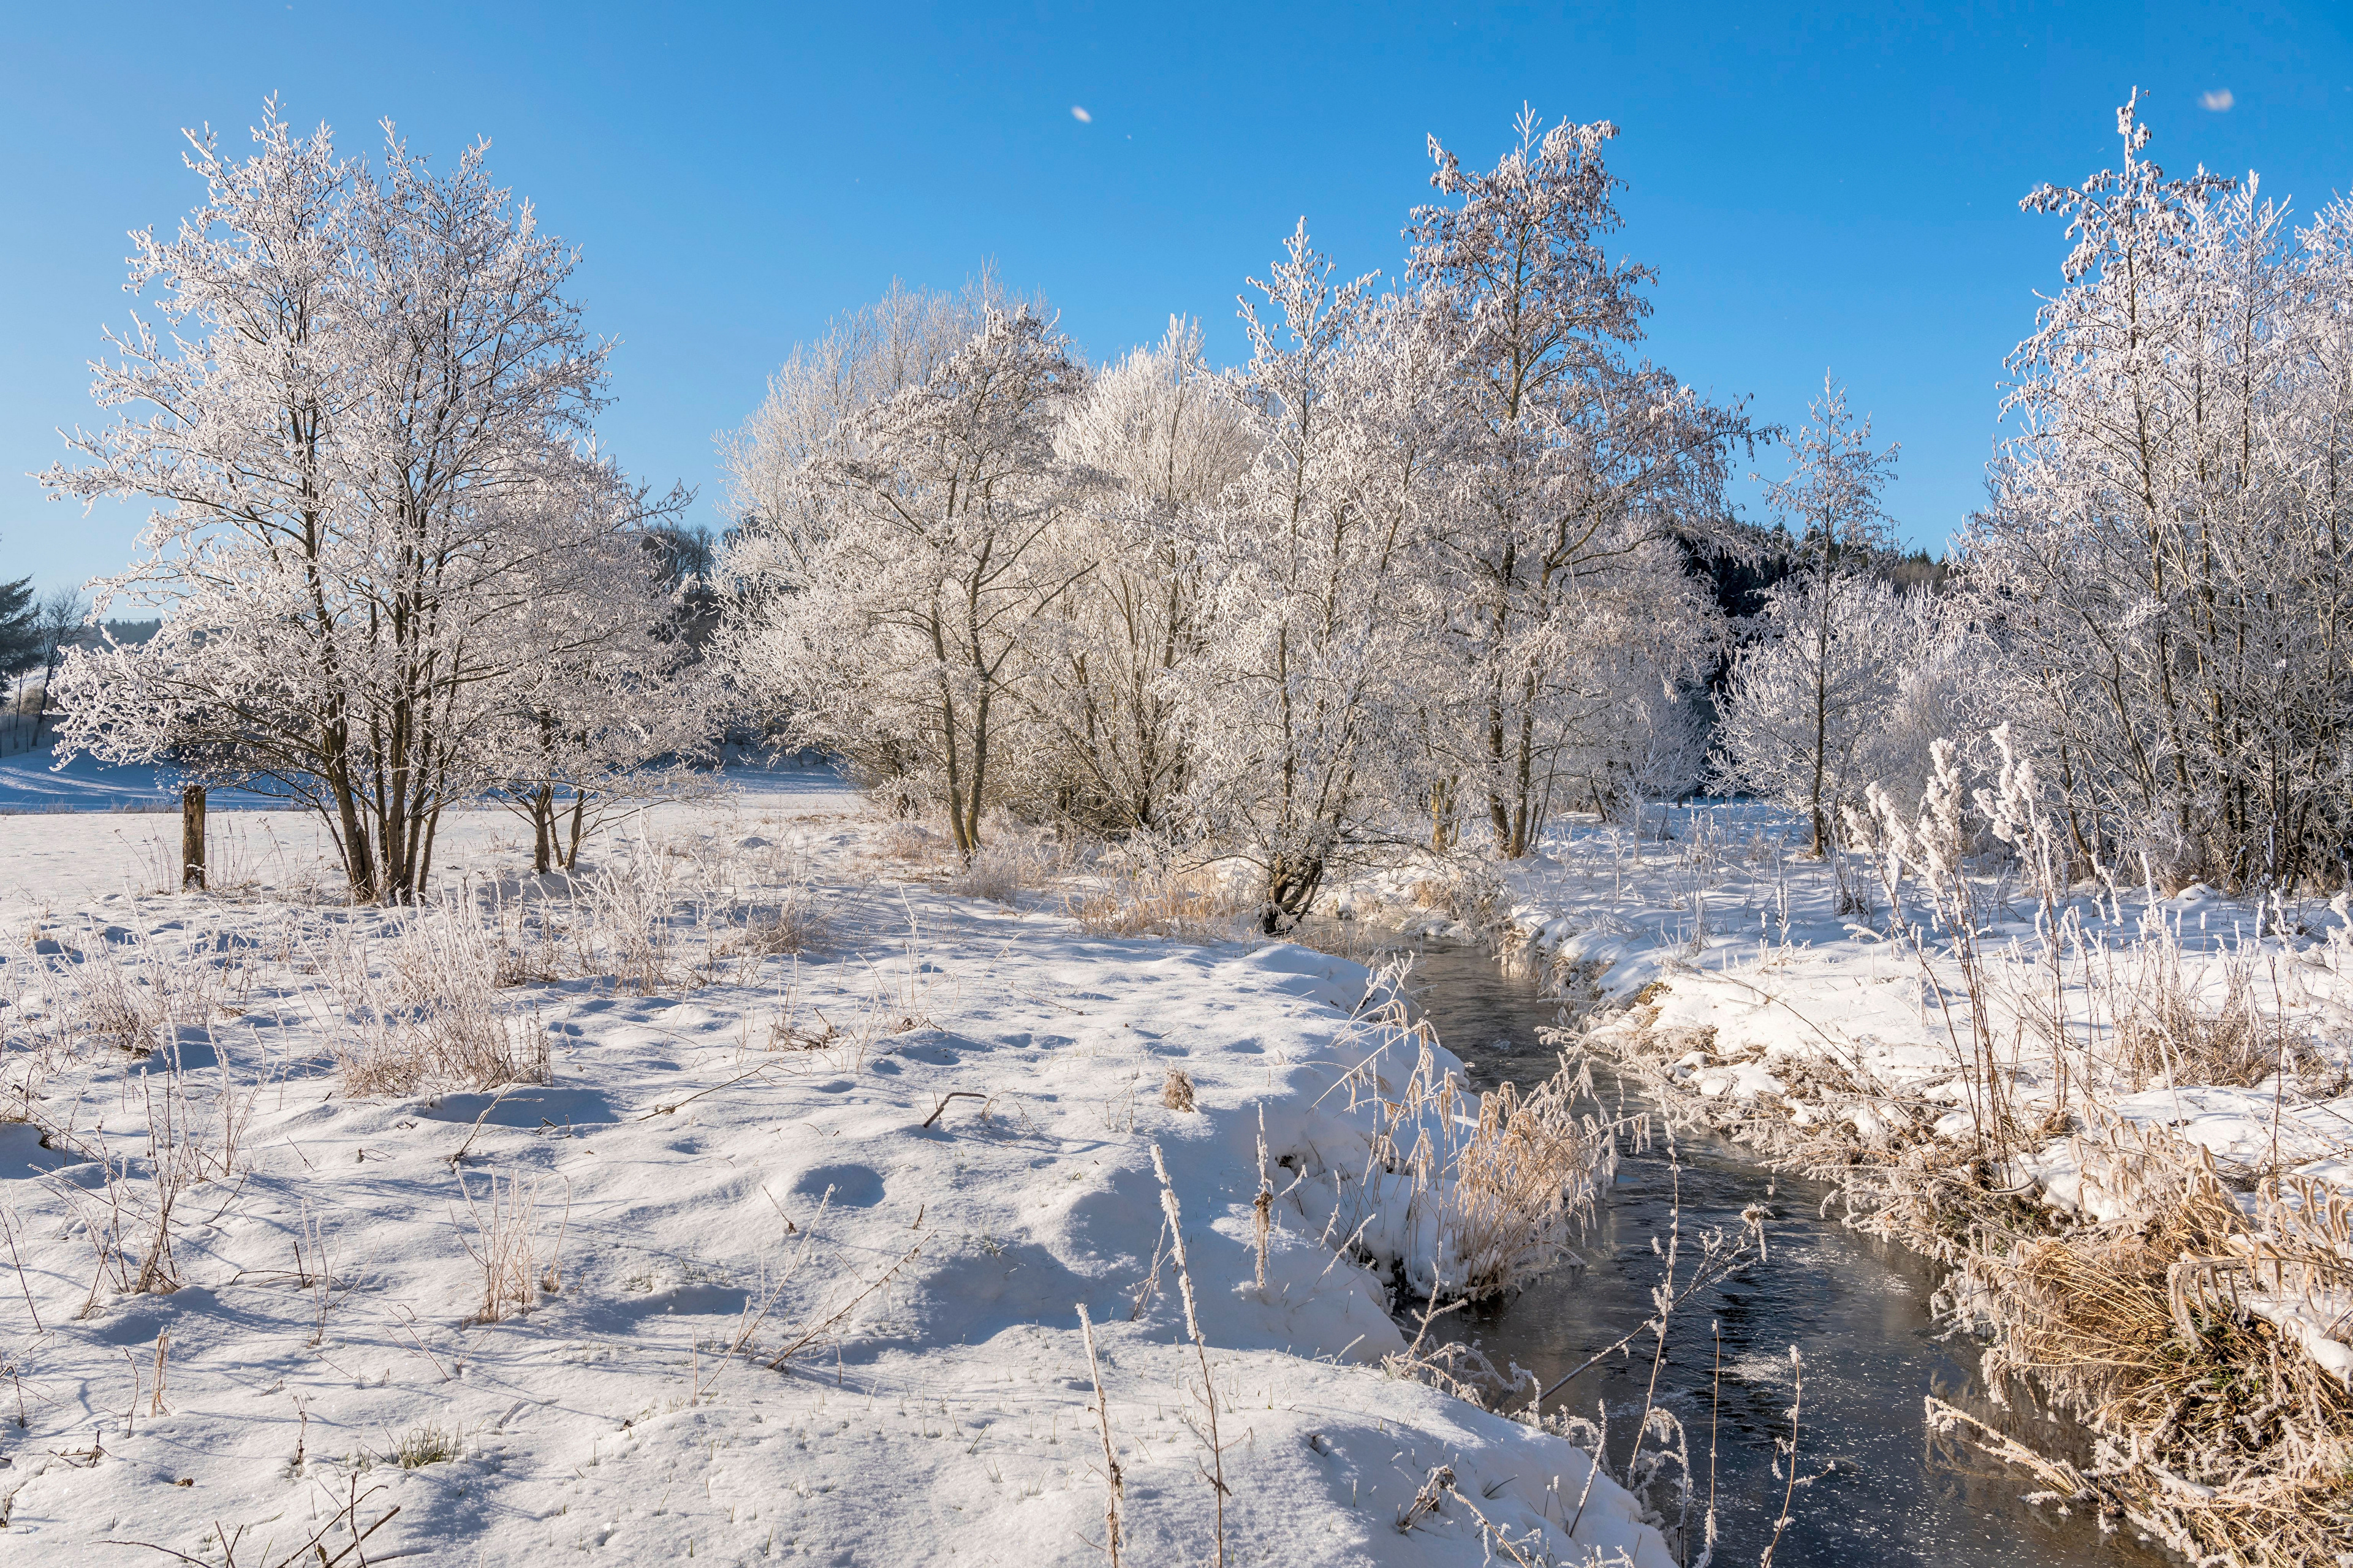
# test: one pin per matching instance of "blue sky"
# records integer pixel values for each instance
(1822, 186)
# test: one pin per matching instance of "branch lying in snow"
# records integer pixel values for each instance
(940, 1109)
(777, 1362)
(698, 1094)
(314, 1548)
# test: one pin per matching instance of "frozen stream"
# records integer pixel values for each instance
(1857, 1309)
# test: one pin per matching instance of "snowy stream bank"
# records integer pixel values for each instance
(1856, 1308)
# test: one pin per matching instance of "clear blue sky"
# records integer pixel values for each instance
(1820, 185)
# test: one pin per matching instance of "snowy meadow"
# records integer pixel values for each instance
(795, 1016)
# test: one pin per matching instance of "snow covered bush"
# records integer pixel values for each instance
(423, 1012)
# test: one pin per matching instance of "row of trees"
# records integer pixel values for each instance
(1431, 566)
(1420, 563)
(35, 631)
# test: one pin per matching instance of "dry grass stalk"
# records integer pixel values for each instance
(1208, 1395)
(1113, 1484)
(517, 1261)
(1177, 1090)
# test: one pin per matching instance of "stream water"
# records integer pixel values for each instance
(1856, 1308)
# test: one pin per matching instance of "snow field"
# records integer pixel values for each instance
(762, 1289)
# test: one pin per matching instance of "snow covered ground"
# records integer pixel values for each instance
(785, 1261)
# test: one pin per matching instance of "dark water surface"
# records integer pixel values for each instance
(1858, 1311)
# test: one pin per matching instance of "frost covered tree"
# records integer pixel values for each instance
(365, 427)
(21, 646)
(909, 594)
(1846, 683)
(1572, 469)
(1805, 694)
(2167, 563)
(1165, 442)
(863, 357)
(57, 621)
(1302, 701)
(1425, 556)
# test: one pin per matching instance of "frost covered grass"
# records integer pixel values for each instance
(564, 1213)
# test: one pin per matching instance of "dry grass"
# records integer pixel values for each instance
(425, 1444)
(791, 925)
(1004, 867)
(1524, 1180)
(1508, 1185)
(2171, 1332)
(1177, 1090)
(1465, 889)
(517, 1258)
(435, 1018)
(2169, 1028)
(1141, 890)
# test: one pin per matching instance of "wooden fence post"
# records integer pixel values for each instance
(192, 839)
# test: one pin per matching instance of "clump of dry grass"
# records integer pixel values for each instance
(426, 1445)
(792, 924)
(2187, 1332)
(519, 1261)
(1177, 1090)
(1141, 890)
(2168, 1031)
(909, 842)
(1506, 1187)
(130, 989)
(1524, 1180)
(1464, 888)
(435, 1018)
(1004, 869)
